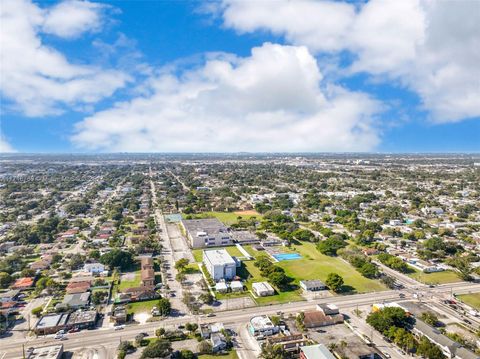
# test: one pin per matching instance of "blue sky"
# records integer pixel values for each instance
(232, 76)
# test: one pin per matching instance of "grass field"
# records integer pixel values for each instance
(231, 355)
(232, 250)
(248, 270)
(130, 283)
(315, 265)
(228, 218)
(472, 300)
(141, 307)
(435, 278)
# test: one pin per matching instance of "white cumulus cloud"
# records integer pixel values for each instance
(38, 79)
(431, 47)
(5, 147)
(273, 100)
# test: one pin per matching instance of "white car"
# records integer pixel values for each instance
(119, 327)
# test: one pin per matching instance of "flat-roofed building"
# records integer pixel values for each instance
(206, 232)
(219, 264)
(262, 326)
(312, 285)
(49, 352)
(82, 319)
(52, 323)
(317, 351)
(263, 289)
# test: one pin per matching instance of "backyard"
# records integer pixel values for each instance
(129, 279)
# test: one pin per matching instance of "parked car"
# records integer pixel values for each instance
(119, 327)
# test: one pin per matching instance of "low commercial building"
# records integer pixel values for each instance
(317, 351)
(236, 286)
(290, 343)
(82, 319)
(263, 289)
(49, 352)
(206, 232)
(262, 326)
(312, 285)
(219, 264)
(52, 323)
(325, 314)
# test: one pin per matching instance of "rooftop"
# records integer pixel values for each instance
(218, 257)
(261, 322)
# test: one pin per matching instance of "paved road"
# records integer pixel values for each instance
(77, 341)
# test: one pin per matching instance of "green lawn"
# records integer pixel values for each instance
(248, 270)
(232, 250)
(228, 218)
(142, 307)
(231, 355)
(435, 278)
(130, 283)
(315, 265)
(472, 300)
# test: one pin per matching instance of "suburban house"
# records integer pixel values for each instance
(23, 283)
(147, 272)
(94, 268)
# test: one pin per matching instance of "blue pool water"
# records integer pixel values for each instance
(286, 256)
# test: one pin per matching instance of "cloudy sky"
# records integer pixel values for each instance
(228, 76)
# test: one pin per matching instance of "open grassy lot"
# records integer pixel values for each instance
(252, 274)
(134, 280)
(227, 218)
(315, 265)
(231, 355)
(435, 278)
(141, 307)
(472, 300)
(232, 250)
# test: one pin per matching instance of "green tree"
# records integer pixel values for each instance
(334, 282)
(118, 258)
(273, 352)
(204, 347)
(430, 318)
(164, 307)
(387, 317)
(187, 354)
(37, 311)
(331, 245)
(5, 280)
(181, 264)
(159, 348)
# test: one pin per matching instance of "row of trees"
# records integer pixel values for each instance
(393, 323)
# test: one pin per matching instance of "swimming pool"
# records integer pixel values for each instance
(286, 256)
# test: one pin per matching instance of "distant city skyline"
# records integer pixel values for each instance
(240, 76)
